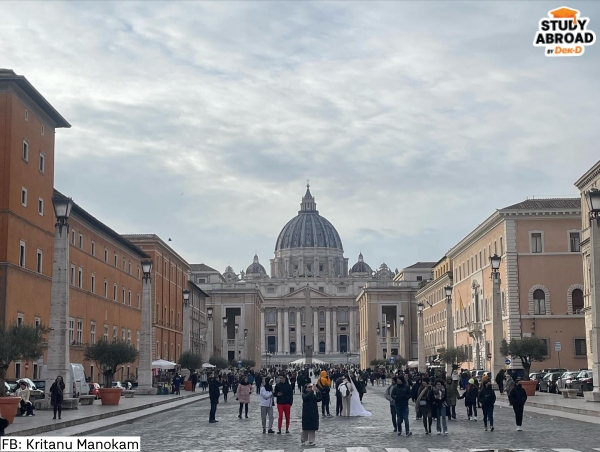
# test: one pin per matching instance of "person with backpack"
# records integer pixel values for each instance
(423, 404)
(470, 397)
(487, 399)
(346, 389)
(401, 395)
(324, 386)
(517, 398)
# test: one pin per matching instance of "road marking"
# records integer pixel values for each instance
(357, 449)
(316, 450)
(566, 450)
(277, 450)
(440, 450)
(396, 450)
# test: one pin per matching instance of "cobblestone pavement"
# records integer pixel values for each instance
(187, 429)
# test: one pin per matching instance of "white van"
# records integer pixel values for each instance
(80, 386)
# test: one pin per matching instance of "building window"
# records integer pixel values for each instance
(419, 278)
(21, 253)
(129, 297)
(79, 331)
(539, 302)
(536, 242)
(138, 300)
(123, 292)
(38, 264)
(41, 206)
(115, 329)
(24, 196)
(93, 283)
(270, 289)
(105, 255)
(321, 316)
(320, 267)
(80, 278)
(73, 237)
(574, 240)
(25, 150)
(105, 335)
(93, 248)
(80, 241)
(38, 322)
(138, 270)
(116, 259)
(72, 274)
(342, 289)
(92, 332)
(130, 267)
(343, 315)
(115, 292)
(123, 334)
(124, 264)
(137, 341)
(501, 246)
(292, 318)
(43, 129)
(42, 162)
(19, 319)
(291, 289)
(321, 289)
(580, 347)
(271, 317)
(71, 330)
(322, 347)
(26, 115)
(129, 337)
(577, 298)
(105, 288)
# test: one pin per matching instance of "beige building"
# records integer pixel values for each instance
(591, 179)
(437, 312)
(380, 302)
(541, 282)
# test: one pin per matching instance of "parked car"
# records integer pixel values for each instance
(583, 382)
(564, 382)
(118, 384)
(94, 390)
(554, 369)
(478, 374)
(33, 389)
(537, 376)
(8, 389)
(548, 383)
(41, 385)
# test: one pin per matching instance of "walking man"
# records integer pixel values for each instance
(500, 380)
(388, 397)
(346, 389)
(285, 398)
(517, 398)
(213, 393)
(400, 395)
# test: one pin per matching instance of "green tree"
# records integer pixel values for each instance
(378, 362)
(527, 349)
(190, 361)
(248, 363)
(219, 362)
(453, 356)
(110, 357)
(19, 343)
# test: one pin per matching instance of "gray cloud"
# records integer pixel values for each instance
(200, 121)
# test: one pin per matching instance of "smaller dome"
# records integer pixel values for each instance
(256, 268)
(361, 266)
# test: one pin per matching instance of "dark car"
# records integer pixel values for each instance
(539, 376)
(583, 382)
(548, 383)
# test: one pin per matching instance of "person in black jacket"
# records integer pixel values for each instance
(214, 393)
(400, 395)
(470, 397)
(438, 403)
(487, 399)
(517, 398)
(415, 391)
(56, 395)
(310, 415)
(285, 398)
(194, 380)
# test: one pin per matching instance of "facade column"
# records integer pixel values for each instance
(299, 332)
(421, 343)
(145, 359)
(279, 331)
(263, 347)
(316, 330)
(328, 331)
(594, 335)
(335, 331)
(286, 331)
(450, 334)
(497, 330)
(186, 340)
(352, 314)
(58, 337)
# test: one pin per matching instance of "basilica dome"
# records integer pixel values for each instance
(308, 229)
(256, 268)
(361, 266)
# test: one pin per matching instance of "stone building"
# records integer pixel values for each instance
(541, 286)
(308, 252)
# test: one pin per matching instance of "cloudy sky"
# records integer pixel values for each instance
(201, 121)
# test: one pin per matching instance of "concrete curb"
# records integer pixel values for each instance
(565, 409)
(89, 419)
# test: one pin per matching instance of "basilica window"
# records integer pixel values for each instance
(322, 317)
(320, 267)
(292, 318)
(343, 315)
(271, 317)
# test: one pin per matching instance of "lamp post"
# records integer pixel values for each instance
(209, 315)
(378, 329)
(308, 341)
(58, 338)
(401, 337)
(497, 330)
(449, 325)
(224, 353)
(388, 340)
(187, 318)
(246, 343)
(421, 341)
(237, 328)
(593, 201)
(147, 332)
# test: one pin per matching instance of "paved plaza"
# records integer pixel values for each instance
(187, 429)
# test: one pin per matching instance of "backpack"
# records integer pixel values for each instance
(343, 388)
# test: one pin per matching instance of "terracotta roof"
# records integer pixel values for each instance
(202, 268)
(423, 265)
(549, 203)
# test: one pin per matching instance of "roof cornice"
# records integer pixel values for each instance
(441, 281)
(491, 222)
(588, 177)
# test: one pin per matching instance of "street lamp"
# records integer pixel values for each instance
(401, 337)
(225, 319)
(186, 297)
(237, 353)
(58, 343)
(449, 325)
(497, 333)
(245, 342)
(209, 312)
(388, 339)
(421, 336)
(593, 201)
(146, 269)
(147, 332)
(209, 315)
(448, 290)
(187, 319)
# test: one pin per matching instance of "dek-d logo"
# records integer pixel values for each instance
(565, 33)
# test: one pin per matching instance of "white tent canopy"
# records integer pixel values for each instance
(303, 361)
(413, 364)
(207, 365)
(163, 364)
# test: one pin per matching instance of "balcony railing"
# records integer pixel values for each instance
(474, 327)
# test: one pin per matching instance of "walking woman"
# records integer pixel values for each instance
(517, 398)
(285, 398)
(470, 396)
(225, 384)
(324, 385)
(439, 406)
(310, 416)
(244, 390)
(266, 405)
(423, 404)
(487, 399)
(452, 396)
(56, 395)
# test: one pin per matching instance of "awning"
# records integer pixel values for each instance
(163, 364)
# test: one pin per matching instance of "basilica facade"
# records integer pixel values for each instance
(261, 315)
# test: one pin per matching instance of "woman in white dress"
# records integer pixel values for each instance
(356, 407)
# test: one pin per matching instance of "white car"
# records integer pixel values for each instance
(118, 384)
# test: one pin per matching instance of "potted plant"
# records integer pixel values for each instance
(191, 362)
(528, 350)
(17, 343)
(110, 357)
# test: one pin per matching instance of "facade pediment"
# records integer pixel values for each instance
(299, 294)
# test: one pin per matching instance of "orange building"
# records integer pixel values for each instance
(170, 275)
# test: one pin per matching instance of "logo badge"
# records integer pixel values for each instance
(564, 33)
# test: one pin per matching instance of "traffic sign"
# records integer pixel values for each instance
(392, 360)
(507, 361)
(489, 356)
(26, 366)
(557, 346)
